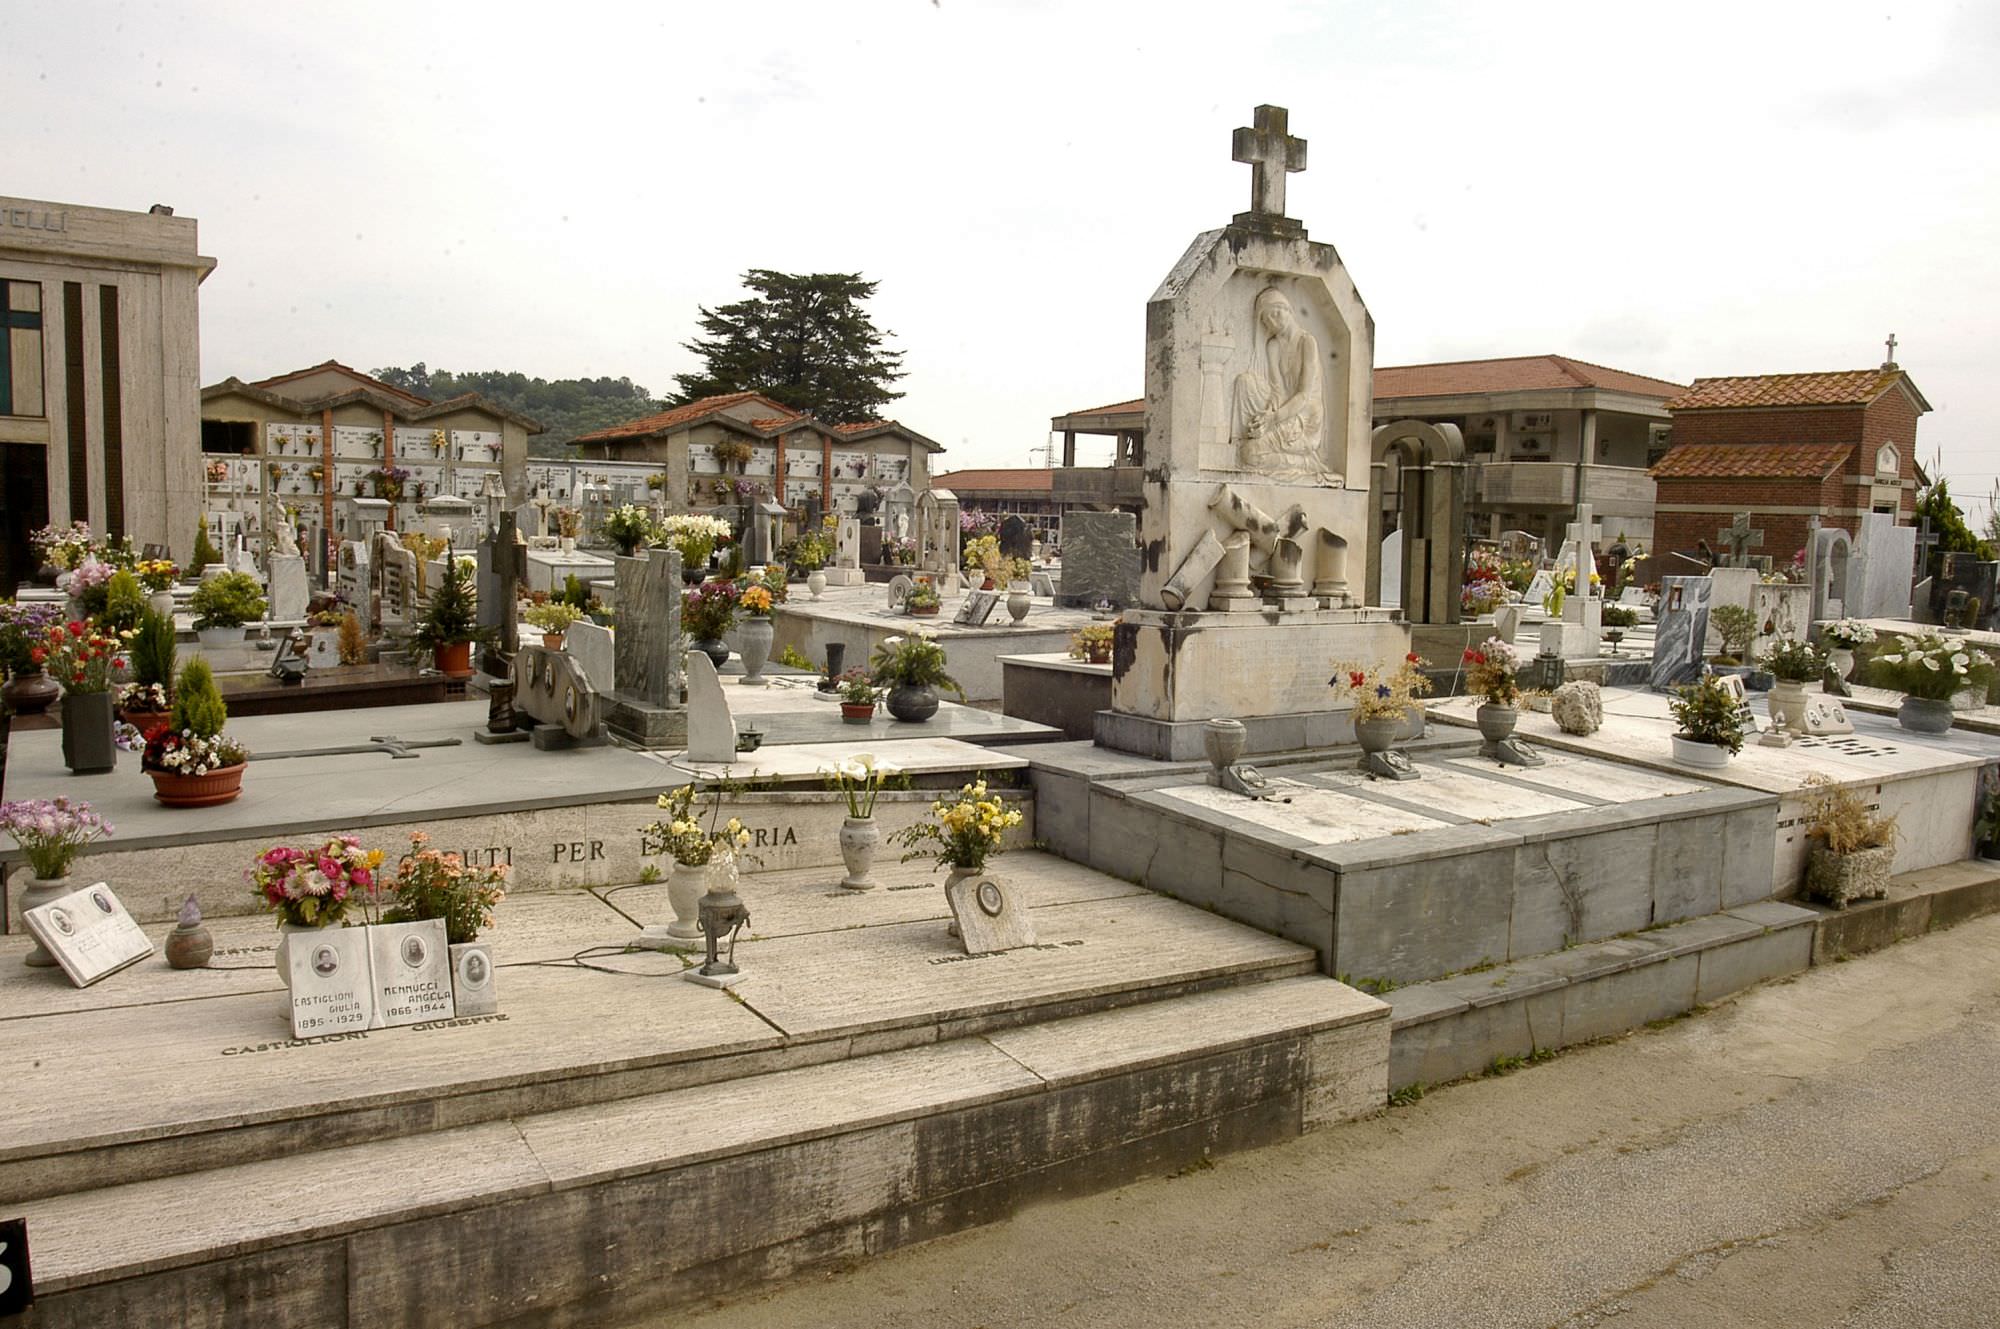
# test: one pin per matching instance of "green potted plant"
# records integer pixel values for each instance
(1793, 663)
(1849, 850)
(193, 764)
(206, 555)
(449, 624)
(923, 600)
(222, 605)
(124, 601)
(1616, 619)
(1929, 669)
(857, 696)
(146, 703)
(1736, 626)
(911, 668)
(1710, 723)
(1091, 643)
(429, 884)
(554, 618)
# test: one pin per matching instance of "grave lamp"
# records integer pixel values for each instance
(1544, 673)
(721, 912)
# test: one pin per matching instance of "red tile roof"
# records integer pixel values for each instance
(1137, 406)
(1520, 373)
(669, 420)
(1848, 387)
(355, 374)
(1752, 461)
(1030, 479)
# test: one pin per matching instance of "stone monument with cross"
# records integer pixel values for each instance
(1740, 536)
(1259, 357)
(503, 562)
(1578, 635)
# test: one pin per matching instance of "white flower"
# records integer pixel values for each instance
(892, 641)
(888, 768)
(1960, 659)
(1930, 664)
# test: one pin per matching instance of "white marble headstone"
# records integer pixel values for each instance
(711, 728)
(991, 915)
(1392, 569)
(89, 933)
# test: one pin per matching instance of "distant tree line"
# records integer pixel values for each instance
(566, 407)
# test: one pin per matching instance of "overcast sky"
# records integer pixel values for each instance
(1677, 190)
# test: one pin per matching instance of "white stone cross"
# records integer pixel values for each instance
(1272, 150)
(1889, 363)
(1581, 534)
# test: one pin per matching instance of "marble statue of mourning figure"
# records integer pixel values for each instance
(1279, 420)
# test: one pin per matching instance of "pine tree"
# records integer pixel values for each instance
(803, 340)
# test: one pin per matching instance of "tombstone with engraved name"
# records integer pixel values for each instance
(645, 703)
(353, 580)
(1100, 560)
(1681, 631)
(396, 580)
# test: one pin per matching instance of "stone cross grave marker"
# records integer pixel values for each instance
(1739, 535)
(1268, 147)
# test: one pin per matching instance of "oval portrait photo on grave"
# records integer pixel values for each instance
(991, 902)
(414, 952)
(326, 961)
(475, 970)
(102, 899)
(60, 920)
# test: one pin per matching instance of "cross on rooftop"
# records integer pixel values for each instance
(1271, 150)
(1739, 536)
(1889, 363)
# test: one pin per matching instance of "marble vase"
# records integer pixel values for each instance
(1842, 660)
(1923, 715)
(684, 891)
(1496, 720)
(755, 636)
(38, 892)
(1018, 602)
(815, 582)
(1377, 733)
(715, 650)
(912, 704)
(1786, 703)
(860, 838)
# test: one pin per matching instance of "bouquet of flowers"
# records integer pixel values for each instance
(62, 547)
(709, 610)
(922, 595)
(859, 779)
(1847, 633)
(629, 527)
(857, 687)
(569, 522)
(1931, 666)
(52, 832)
(682, 835)
(429, 884)
(90, 584)
(900, 553)
(23, 628)
(389, 481)
(982, 555)
(695, 535)
(1491, 671)
(151, 698)
(1791, 660)
(79, 657)
(964, 831)
(756, 601)
(1483, 596)
(315, 887)
(1380, 694)
(973, 522)
(157, 574)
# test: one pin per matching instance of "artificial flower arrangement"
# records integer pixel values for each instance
(52, 832)
(389, 482)
(63, 547)
(1092, 642)
(24, 628)
(964, 831)
(1483, 596)
(681, 833)
(709, 610)
(429, 884)
(771, 577)
(79, 657)
(157, 574)
(860, 779)
(899, 552)
(1383, 694)
(316, 886)
(1568, 581)
(1492, 671)
(1931, 666)
(695, 534)
(146, 698)
(812, 550)
(569, 522)
(90, 584)
(730, 451)
(756, 601)
(982, 555)
(629, 527)
(1847, 633)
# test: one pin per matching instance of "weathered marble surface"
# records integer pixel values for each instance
(1680, 630)
(1100, 559)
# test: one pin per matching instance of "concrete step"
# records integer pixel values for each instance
(186, 1071)
(1457, 1025)
(658, 1200)
(1917, 902)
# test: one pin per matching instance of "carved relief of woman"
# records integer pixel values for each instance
(1280, 413)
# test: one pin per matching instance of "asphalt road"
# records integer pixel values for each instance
(1821, 1151)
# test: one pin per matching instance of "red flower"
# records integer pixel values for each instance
(1413, 657)
(1356, 679)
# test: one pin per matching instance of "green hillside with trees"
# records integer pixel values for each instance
(566, 407)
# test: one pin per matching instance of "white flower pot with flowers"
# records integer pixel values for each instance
(859, 779)
(1929, 669)
(704, 858)
(1842, 636)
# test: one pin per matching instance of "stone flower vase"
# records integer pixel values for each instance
(38, 892)
(1842, 660)
(1222, 742)
(31, 693)
(1838, 878)
(815, 582)
(87, 745)
(912, 703)
(162, 603)
(214, 639)
(684, 892)
(1787, 704)
(1496, 720)
(1923, 715)
(860, 838)
(1018, 602)
(755, 638)
(1377, 733)
(716, 651)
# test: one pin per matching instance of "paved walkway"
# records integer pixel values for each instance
(1823, 1151)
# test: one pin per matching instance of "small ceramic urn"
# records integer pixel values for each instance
(189, 945)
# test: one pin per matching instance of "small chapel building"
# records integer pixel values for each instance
(1787, 448)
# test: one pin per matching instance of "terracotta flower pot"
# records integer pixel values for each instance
(454, 659)
(31, 693)
(552, 641)
(198, 791)
(856, 713)
(148, 723)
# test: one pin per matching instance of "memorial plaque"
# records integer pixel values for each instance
(412, 963)
(991, 915)
(978, 607)
(89, 934)
(473, 990)
(1825, 715)
(1100, 560)
(333, 988)
(1538, 589)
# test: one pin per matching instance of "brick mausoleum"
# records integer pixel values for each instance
(1786, 448)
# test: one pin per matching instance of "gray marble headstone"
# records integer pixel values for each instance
(1878, 578)
(290, 590)
(1682, 629)
(1733, 586)
(648, 640)
(711, 729)
(1100, 559)
(591, 646)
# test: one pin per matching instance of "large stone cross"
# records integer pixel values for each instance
(1739, 536)
(1582, 534)
(1272, 151)
(1890, 363)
